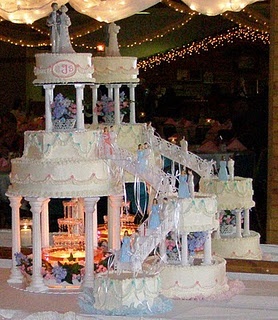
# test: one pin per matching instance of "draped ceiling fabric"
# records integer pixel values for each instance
(28, 11)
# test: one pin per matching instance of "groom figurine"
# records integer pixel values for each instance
(53, 21)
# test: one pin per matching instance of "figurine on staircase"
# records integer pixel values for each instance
(183, 191)
(126, 248)
(223, 173)
(190, 181)
(140, 158)
(154, 219)
(231, 167)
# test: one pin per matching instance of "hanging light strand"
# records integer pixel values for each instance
(204, 45)
(246, 22)
(167, 30)
(178, 7)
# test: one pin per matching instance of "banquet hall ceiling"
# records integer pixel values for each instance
(166, 25)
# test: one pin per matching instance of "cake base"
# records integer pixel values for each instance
(124, 295)
(231, 247)
(194, 281)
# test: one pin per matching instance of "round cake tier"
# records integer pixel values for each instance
(53, 145)
(197, 214)
(247, 247)
(124, 294)
(63, 178)
(63, 68)
(231, 194)
(116, 70)
(194, 281)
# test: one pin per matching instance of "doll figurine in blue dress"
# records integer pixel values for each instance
(126, 248)
(154, 220)
(140, 158)
(183, 191)
(223, 173)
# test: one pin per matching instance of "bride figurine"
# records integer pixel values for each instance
(113, 47)
(65, 43)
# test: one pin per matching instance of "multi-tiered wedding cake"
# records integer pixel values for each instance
(83, 163)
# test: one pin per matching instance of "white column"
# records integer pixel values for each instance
(48, 100)
(238, 223)
(90, 205)
(95, 224)
(114, 221)
(45, 224)
(37, 284)
(184, 249)
(207, 249)
(132, 116)
(94, 102)
(117, 103)
(16, 275)
(217, 231)
(246, 229)
(79, 106)
(110, 91)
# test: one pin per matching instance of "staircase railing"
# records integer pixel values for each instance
(149, 239)
(173, 152)
(153, 175)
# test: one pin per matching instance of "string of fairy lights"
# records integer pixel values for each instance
(167, 30)
(204, 45)
(252, 21)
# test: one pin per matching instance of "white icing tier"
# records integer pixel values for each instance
(116, 70)
(63, 68)
(63, 178)
(76, 145)
(247, 247)
(198, 214)
(61, 165)
(194, 281)
(119, 292)
(231, 194)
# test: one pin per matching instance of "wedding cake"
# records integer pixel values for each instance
(234, 201)
(71, 164)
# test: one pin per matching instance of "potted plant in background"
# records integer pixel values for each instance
(63, 112)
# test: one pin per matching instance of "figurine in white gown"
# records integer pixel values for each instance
(231, 165)
(65, 43)
(113, 47)
(190, 181)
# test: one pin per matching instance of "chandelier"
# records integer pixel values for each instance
(28, 11)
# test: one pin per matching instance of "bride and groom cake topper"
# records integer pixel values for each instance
(59, 22)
